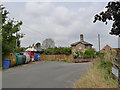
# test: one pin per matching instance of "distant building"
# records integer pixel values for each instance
(81, 45)
(33, 48)
(108, 48)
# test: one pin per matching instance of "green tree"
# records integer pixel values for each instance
(112, 13)
(19, 49)
(89, 53)
(10, 32)
(58, 51)
(38, 45)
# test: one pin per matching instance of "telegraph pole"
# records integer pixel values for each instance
(99, 42)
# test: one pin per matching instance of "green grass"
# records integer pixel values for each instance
(3, 68)
(60, 60)
(105, 67)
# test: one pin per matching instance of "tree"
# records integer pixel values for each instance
(38, 45)
(89, 53)
(58, 51)
(48, 43)
(111, 14)
(10, 32)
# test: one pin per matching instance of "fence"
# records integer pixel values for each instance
(116, 68)
(56, 57)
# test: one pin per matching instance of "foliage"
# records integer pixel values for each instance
(98, 54)
(107, 66)
(89, 53)
(98, 76)
(111, 14)
(10, 29)
(19, 49)
(75, 55)
(48, 43)
(57, 51)
(60, 60)
(38, 45)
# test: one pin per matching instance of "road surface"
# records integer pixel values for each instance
(44, 75)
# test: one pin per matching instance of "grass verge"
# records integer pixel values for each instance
(61, 60)
(98, 76)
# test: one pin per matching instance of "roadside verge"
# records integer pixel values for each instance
(98, 76)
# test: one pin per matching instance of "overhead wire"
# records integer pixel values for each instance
(45, 36)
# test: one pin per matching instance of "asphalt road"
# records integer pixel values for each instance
(44, 75)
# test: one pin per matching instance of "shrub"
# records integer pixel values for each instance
(89, 53)
(106, 66)
(19, 49)
(58, 51)
(75, 54)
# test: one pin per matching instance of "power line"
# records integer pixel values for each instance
(35, 30)
(41, 33)
(29, 32)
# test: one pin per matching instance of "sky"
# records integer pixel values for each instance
(61, 21)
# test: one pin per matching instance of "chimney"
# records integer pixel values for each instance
(81, 37)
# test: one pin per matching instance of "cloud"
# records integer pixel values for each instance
(37, 9)
(64, 24)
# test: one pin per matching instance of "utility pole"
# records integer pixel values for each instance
(99, 42)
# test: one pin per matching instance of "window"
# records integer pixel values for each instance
(80, 47)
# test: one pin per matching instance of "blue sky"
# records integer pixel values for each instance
(63, 22)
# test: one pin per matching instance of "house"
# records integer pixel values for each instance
(34, 48)
(81, 45)
(31, 48)
(108, 48)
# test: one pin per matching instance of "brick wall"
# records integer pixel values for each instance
(56, 57)
(106, 49)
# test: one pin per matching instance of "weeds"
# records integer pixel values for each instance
(98, 76)
(60, 60)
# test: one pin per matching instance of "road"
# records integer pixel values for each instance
(44, 75)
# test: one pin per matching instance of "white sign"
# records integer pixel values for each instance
(115, 71)
(13, 59)
(32, 59)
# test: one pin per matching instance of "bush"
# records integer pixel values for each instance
(75, 55)
(89, 53)
(101, 54)
(19, 49)
(106, 66)
(58, 51)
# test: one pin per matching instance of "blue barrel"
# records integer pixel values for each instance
(6, 63)
(37, 57)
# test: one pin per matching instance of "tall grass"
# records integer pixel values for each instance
(98, 76)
